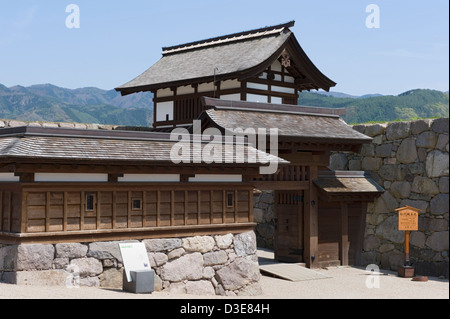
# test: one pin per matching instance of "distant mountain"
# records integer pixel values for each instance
(46, 102)
(406, 106)
(345, 95)
(93, 96)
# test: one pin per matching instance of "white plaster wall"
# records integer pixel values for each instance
(257, 98)
(8, 177)
(162, 109)
(70, 177)
(149, 178)
(215, 178)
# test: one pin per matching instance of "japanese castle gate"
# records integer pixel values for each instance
(244, 80)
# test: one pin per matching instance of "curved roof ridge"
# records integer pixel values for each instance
(228, 38)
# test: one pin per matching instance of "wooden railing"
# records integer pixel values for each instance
(291, 173)
(292, 177)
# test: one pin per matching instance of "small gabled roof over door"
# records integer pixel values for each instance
(347, 186)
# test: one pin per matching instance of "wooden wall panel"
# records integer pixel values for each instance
(73, 224)
(63, 208)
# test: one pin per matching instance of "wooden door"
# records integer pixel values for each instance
(288, 239)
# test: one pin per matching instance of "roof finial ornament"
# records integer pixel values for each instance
(285, 59)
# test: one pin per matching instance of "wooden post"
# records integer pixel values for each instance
(99, 210)
(407, 261)
(158, 208)
(47, 211)
(65, 211)
(114, 210)
(311, 221)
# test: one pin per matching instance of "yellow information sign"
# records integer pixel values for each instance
(408, 218)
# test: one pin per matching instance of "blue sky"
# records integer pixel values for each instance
(118, 40)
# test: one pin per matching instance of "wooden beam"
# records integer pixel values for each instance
(300, 221)
(186, 207)
(129, 209)
(311, 222)
(135, 168)
(144, 207)
(25, 177)
(172, 208)
(24, 210)
(158, 208)
(211, 207)
(114, 210)
(199, 206)
(82, 210)
(114, 178)
(65, 210)
(99, 210)
(9, 211)
(250, 205)
(47, 211)
(224, 206)
(235, 206)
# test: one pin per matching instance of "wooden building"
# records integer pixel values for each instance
(62, 185)
(320, 215)
(251, 80)
(264, 65)
(68, 185)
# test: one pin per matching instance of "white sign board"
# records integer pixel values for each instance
(134, 257)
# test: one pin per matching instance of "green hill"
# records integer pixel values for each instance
(47, 102)
(87, 105)
(406, 106)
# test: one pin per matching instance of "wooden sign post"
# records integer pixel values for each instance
(408, 220)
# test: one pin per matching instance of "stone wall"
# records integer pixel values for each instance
(411, 161)
(202, 265)
(263, 215)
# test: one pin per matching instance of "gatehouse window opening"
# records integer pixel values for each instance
(136, 204)
(90, 202)
(230, 199)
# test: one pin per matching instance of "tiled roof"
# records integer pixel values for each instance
(348, 184)
(237, 55)
(60, 144)
(299, 124)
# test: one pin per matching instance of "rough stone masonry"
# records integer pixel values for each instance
(410, 160)
(201, 265)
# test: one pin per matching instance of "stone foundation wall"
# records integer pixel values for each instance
(202, 265)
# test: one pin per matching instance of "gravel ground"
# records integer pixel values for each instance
(345, 283)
